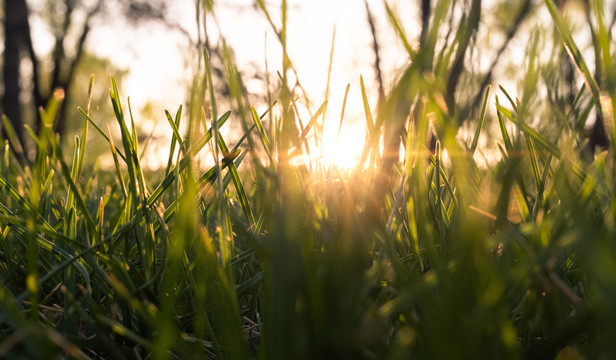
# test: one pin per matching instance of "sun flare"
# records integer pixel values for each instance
(342, 152)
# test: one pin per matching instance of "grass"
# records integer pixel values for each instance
(419, 256)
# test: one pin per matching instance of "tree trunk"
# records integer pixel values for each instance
(15, 29)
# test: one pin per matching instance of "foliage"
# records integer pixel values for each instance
(261, 255)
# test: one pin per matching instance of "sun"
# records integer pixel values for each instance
(333, 145)
(342, 152)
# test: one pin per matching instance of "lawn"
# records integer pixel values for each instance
(421, 250)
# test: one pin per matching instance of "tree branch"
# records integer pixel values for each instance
(469, 29)
(488, 76)
(377, 57)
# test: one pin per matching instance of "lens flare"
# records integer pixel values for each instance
(343, 152)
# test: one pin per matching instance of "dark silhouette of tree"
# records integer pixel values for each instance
(17, 41)
(64, 17)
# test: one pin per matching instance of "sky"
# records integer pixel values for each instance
(154, 49)
(159, 58)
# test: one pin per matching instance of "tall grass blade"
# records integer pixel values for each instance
(100, 131)
(399, 29)
(192, 151)
(481, 121)
(262, 134)
(344, 101)
(573, 51)
(176, 136)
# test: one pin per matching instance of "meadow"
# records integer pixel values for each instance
(410, 254)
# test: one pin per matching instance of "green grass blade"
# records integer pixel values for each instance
(399, 29)
(12, 137)
(262, 134)
(14, 194)
(527, 130)
(116, 163)
(344, 101)
(573, 51)
(239, 187)
(79, 200)
(510, 99)
(195, 148)
(127, 141)
(367, 111)
(312, 121)
(176, 136)
(533, 160)
(210, 85)
(481, 121)
(503, 128)
(70, 197)
(100, 131)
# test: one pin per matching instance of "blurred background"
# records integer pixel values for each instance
(152, 48)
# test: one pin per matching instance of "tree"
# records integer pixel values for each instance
(63, 17)
(17, 39)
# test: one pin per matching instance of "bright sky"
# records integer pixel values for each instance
(156, 56)
(153, 49)
(159, 70)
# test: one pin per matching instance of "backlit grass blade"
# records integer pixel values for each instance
(46, 192)
(225, 238)
(70, 230)
(129, 147)
(133, 130)
(540, 192)
(13, 193)
(239, 187)
(372, 136)
(12, 137)
(603, 50)
(580, 122)
(90, 85)
(329, 66)
(136, 184)
(195, 148)
(208, 178)
(32, 135)
(503, 128)
(573, 51)
(399, 29)
(262, 134)
(312, 121)
(6, 159)
(533, 160)
(100, 131)
(540, 139)
(176, 135)
(70, 197)
(116, 163)
(344, 101)
(210, 86)
(510, 99)
(82, 147)
(482, 118)
(443, 177)
(367, 111)
(576, 100)
(79, 200)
